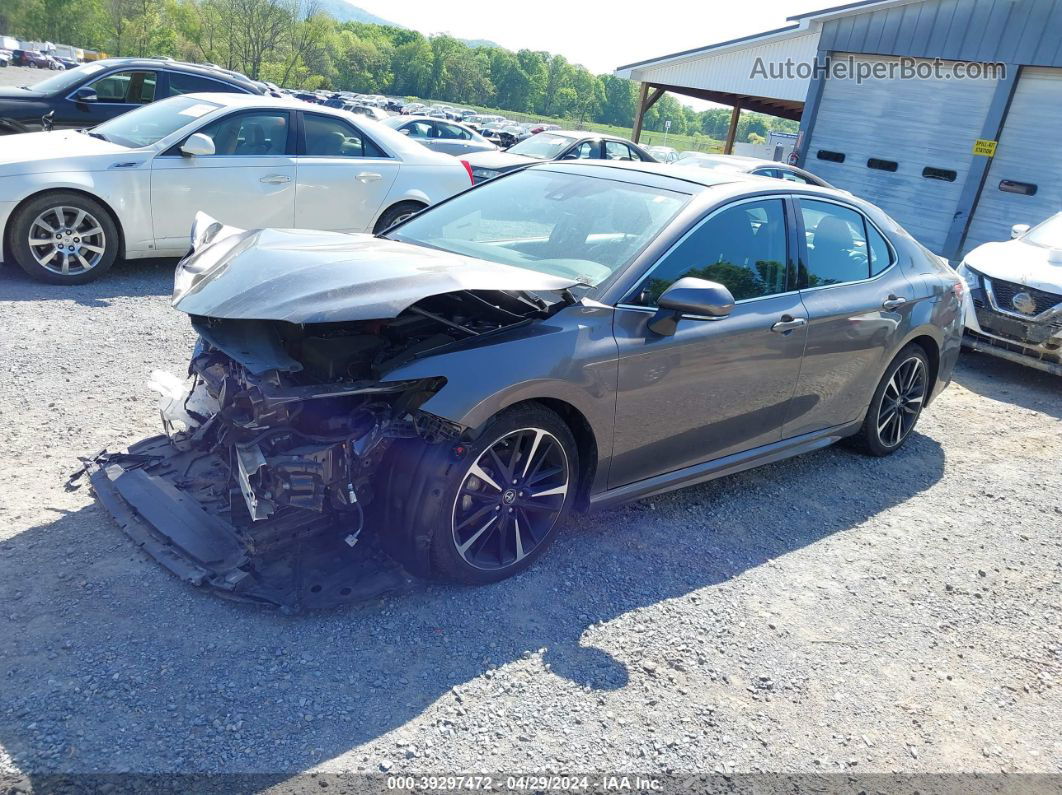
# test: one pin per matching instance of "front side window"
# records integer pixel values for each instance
(742, 247)
(836, 243)
(181, 83)
(578, 227)
(330, 137)
(793, 177)
(249, 134)
(584, 151)
(136, 88)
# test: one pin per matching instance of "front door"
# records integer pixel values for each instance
(249, 181)
(343, 176)
(715, 387)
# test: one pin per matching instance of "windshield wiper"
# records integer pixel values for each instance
(101, 136)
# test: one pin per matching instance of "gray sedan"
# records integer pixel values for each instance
(449, 137)
(570, 336)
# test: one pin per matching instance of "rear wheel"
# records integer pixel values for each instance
(897, 403)
(64, 238)
(396, 215)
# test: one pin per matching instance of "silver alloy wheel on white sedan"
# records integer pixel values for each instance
(67, 241)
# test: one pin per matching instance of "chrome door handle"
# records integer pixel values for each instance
(787, 324)
(275, 179)
(893, 302)
(368, 176)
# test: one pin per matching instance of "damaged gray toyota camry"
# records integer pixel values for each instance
(570, 336)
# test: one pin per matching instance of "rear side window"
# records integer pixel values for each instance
(742, 246)
(330, 137)
(836, 244)
(880, 253)
(181, 83)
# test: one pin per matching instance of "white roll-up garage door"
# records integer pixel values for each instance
(1024, 183)
(910, 125)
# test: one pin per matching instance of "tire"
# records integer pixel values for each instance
(86, 238)
(896, 405)
(480, 526)
(395, 215)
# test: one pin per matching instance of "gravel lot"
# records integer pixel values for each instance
(829, 613)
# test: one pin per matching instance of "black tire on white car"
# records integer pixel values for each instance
(396, 215)
(62, 237)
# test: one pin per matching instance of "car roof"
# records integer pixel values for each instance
(705, 178)
(181, 66)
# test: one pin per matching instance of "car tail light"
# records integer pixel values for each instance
(468, 168)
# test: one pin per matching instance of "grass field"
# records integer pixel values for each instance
(697, 143)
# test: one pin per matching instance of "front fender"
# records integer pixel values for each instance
(570, 357)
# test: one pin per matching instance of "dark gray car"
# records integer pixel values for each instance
(441, 135)
(568, 337)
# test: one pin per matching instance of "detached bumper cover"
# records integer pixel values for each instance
(162, 499)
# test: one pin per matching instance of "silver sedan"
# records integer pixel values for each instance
(449, 137)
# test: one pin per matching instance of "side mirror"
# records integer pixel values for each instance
(86, 95)
(690, 296)
(198, 144)
(1018, 230)
(405, 131)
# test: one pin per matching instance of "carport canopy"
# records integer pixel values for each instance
(767, 72)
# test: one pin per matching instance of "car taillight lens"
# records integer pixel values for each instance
(468, 168)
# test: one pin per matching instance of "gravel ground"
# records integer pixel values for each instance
(828, 613)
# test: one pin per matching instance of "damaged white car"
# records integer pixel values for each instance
(1014, 304)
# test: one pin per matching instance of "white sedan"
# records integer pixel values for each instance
(1014, 301)
(73, 201)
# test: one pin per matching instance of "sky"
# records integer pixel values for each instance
(598, 35)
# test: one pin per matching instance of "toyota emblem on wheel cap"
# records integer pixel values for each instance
(1024, 303)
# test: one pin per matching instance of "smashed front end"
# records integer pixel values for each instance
(263, 482)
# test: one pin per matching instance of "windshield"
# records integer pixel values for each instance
(67, 79)
(1048, 234)
(544, 146)
(149, 124)
(580, 227)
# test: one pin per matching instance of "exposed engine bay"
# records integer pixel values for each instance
(265, 479)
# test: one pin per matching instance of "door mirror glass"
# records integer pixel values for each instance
(198, 144)
(86, 95)
(1018, 230)
(690, 296)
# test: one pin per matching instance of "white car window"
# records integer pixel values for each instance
(249, 134)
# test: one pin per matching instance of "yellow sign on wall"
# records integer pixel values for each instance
(985, 147)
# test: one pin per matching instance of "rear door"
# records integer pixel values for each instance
(248, 182)
(343, 175)
(858, 305)
(717, 386)
(451, 139)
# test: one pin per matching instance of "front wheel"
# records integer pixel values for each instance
(64, 238)
(491, 514)
(897, 403)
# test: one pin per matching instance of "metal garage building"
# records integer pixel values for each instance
(956, 155)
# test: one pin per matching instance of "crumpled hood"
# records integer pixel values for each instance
(304, 276)
(44, 152)
(1020, 262)
(499, 160)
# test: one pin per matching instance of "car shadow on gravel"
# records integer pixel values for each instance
(109, 664)
(1009, 382)
(127, 278)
